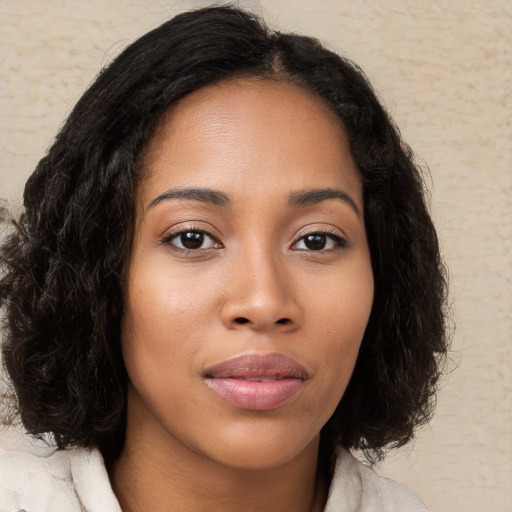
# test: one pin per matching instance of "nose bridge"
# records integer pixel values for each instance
(261, 294)
(267, 282)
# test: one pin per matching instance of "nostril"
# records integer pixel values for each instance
(283, 321)
(241, 320)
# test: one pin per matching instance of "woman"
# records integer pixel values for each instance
(225, 278)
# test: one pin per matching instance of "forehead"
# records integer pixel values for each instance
(250, 132)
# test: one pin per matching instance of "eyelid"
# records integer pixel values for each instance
(167, 238)
(333, 233)
(338, 238)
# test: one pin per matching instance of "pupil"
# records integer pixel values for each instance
(192, 240)
(315, 242)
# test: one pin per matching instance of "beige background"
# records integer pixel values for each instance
(443, 68)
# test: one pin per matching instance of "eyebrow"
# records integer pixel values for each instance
(311, 197)
(204, 195)
(296, 199)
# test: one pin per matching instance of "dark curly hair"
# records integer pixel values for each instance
(62, 265)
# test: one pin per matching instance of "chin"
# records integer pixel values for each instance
(258, 448)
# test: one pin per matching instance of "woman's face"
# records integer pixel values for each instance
(249, 285)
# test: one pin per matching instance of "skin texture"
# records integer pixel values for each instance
(253, 287)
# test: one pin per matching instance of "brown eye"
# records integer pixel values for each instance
(319, 242)
(191, 240)
(315, 242)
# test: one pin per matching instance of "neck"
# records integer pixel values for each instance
(157, 472)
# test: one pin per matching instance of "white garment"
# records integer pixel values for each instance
(38, 478)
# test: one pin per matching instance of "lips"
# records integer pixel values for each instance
(256, 382)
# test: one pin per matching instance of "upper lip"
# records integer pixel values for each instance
(251, 366)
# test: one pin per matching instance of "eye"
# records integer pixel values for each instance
(319, 242)
(192, 240)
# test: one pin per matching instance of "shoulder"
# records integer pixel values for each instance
(35, 477)
(357, 488)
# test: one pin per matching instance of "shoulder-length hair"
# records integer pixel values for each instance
(61, 267)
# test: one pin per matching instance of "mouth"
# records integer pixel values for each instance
(258, 382)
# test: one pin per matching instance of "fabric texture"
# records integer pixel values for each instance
(35, 477)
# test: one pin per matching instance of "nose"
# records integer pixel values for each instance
(261, 295)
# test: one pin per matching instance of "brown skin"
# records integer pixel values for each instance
(187, 448)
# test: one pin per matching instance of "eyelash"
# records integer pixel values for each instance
(168, 239)
(339, 241)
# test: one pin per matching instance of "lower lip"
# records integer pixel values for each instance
(257, 396)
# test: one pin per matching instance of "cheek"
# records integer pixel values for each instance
(168, 316)
(153, 321)
(342, 314)
(161, 305)
(344, 304)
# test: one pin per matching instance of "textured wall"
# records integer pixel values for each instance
(444, 71)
